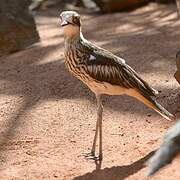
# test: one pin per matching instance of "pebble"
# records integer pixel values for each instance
(149, 115)
(72, 140)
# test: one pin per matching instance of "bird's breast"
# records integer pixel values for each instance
(73, 61)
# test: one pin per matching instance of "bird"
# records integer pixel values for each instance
(103, 72)
(169, 149)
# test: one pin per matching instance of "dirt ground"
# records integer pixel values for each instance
(47, 117)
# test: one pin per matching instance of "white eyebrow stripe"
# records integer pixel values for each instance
(92, 57)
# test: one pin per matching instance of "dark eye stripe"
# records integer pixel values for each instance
(76, 20)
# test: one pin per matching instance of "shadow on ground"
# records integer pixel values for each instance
(116, 172)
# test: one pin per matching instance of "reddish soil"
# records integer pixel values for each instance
(47, 117)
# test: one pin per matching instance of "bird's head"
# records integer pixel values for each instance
(71, 23)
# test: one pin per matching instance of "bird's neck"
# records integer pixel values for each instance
(74, 40)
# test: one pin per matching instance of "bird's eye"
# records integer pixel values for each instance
(75, 18)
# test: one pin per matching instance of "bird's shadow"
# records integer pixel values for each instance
(116, 172)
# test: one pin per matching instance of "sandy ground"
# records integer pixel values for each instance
(47, 117)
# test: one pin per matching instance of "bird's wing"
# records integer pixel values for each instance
(105, 66)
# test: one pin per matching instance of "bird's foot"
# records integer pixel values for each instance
(92, 156)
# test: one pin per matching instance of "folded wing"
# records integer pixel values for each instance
(104, 66)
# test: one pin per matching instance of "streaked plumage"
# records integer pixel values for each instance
(102, 71)
(167, 152)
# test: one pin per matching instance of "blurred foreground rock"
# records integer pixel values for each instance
(169, 149)
(177, 74)
(17, 26)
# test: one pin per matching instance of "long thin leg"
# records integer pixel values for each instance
(98, 129)
(95, 139)
(98, 125)
(99, 119)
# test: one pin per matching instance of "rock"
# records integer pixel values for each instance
(17, 26)
(35, 5)
(107, 6)
(177, 74)
(178, 60)
(169, 149)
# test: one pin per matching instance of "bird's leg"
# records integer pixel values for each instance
(95, 139)
(98, 126)
(99, 113)
(91, 155)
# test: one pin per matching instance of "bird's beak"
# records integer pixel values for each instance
(64, 22)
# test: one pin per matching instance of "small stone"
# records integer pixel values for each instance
(28, 152)
(72, 140)
(147, 121)
(55, 175)
(121, 134)
(149, 115)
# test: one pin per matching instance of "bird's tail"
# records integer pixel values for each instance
(161, 110)
(150, 102)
